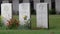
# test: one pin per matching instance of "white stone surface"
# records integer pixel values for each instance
(49, 2)
(24, 9)
(6, 11)
(42, 15)
(36, 1)
(26, 1)
(57, 6)
(15, 6)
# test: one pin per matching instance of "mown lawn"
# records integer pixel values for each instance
(54, 27)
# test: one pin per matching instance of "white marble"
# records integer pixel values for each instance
(42, 15)
(24, 10)
(6, 11)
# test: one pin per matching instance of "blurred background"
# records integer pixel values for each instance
(53, 5)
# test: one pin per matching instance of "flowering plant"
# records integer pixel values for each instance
(13, 23)
(27, 21)
(25, 17)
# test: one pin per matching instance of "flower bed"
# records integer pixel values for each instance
(12, 24)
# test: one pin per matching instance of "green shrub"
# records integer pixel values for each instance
(1, 21)
(52, 11)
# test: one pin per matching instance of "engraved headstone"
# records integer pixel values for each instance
(42, 15)
(24, 12)
(6, 12)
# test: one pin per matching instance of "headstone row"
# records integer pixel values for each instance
(24, 13)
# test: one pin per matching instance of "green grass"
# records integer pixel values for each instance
(54, 26)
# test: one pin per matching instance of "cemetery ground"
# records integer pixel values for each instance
(54, 27)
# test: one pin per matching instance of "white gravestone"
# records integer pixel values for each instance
(24, 10)
(6, 12)
(42, 15)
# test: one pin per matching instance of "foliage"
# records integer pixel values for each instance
(54, 27)
(52, 11)
(27, 21)
(13, 23)
(0, 18)
(1, 24)
(25, 17)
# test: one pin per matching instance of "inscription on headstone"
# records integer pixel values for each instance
(6, 11)
(42, 15)
(24, 12)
